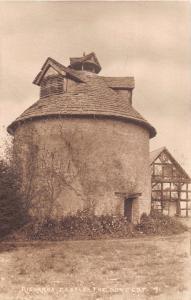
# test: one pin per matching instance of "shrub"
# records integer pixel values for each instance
(85, 225)
(11, 211)
(158, 224)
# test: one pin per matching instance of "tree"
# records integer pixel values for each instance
(12, 214)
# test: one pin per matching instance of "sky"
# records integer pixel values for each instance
(148, 40)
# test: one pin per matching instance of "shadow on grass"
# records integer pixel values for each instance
(7, 247)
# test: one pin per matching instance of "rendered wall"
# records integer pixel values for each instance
(74, 164)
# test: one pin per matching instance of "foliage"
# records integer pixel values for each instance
(85, 225)
(158, 224)
(11, 211)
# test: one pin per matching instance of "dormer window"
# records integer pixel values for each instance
(125, 94)
(52, 85)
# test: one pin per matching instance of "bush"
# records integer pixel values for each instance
(85, 225)
(158, 224)
(11, 211)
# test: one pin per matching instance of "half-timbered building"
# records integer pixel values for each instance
(171, 185)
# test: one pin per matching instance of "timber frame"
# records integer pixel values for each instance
(171, 185)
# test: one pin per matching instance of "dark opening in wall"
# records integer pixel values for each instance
(128, 208)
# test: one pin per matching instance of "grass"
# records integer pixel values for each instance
(97, 269)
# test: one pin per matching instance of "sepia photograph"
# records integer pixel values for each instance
(95, 150)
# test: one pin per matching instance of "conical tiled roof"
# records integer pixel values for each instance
(91, 96)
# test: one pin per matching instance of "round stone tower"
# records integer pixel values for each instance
(82, 145)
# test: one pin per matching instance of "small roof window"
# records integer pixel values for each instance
(52, 85)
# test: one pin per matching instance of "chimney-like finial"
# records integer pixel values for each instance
(84, 54)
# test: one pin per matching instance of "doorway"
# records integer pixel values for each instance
(128, 208)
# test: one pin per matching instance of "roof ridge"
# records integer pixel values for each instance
(123, 82)
(158, 149)
(52, 62)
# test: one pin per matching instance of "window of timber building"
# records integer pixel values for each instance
(52, 85)
(167, 170)
(167, 197)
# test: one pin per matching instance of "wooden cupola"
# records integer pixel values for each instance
(88, 63)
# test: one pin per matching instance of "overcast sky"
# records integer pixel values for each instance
(149, 40)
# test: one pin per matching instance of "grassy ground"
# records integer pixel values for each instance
(144, 268)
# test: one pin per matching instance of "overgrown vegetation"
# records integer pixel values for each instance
(158, 224)
(12, 214)
(84, 225)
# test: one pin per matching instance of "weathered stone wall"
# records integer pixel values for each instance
(74, 164)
